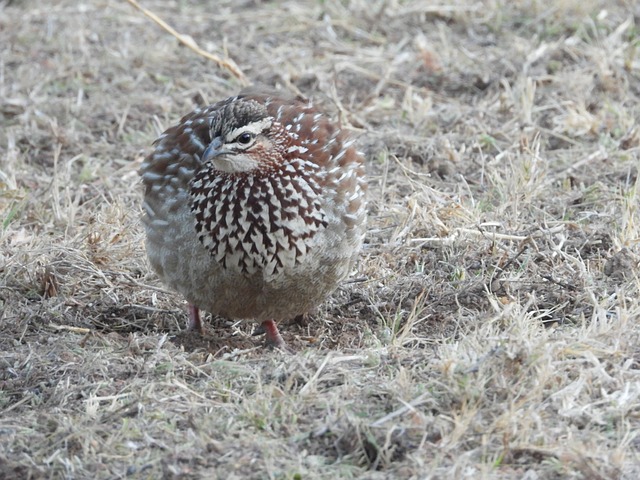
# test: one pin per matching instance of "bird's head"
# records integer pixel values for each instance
(243, 139)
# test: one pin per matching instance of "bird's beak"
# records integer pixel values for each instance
(213, 150)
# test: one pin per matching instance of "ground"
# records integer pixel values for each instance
(492, 326)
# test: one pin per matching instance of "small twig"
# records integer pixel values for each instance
(189, 42)
(407, 407)
(69, 328)
(549, 278)
(24, 399)
(501, 270)
(236, 353)
(469, 231)
(314, 378)
(492, 235)
(356, 280)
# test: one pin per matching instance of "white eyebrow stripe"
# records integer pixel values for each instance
(254, 127)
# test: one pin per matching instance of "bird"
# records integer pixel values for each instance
(254, 208)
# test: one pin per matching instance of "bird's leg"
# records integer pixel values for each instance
(273, 337)
(194, 319)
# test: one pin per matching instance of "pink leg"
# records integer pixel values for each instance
(274, 339)
(194, 320)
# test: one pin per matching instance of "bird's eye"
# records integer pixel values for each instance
(244, 138)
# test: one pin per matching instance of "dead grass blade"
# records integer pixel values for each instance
(189, 42)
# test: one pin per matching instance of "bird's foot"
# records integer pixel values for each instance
(273, 337)
(195, 323)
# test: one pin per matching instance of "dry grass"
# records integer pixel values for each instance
(493, 329)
